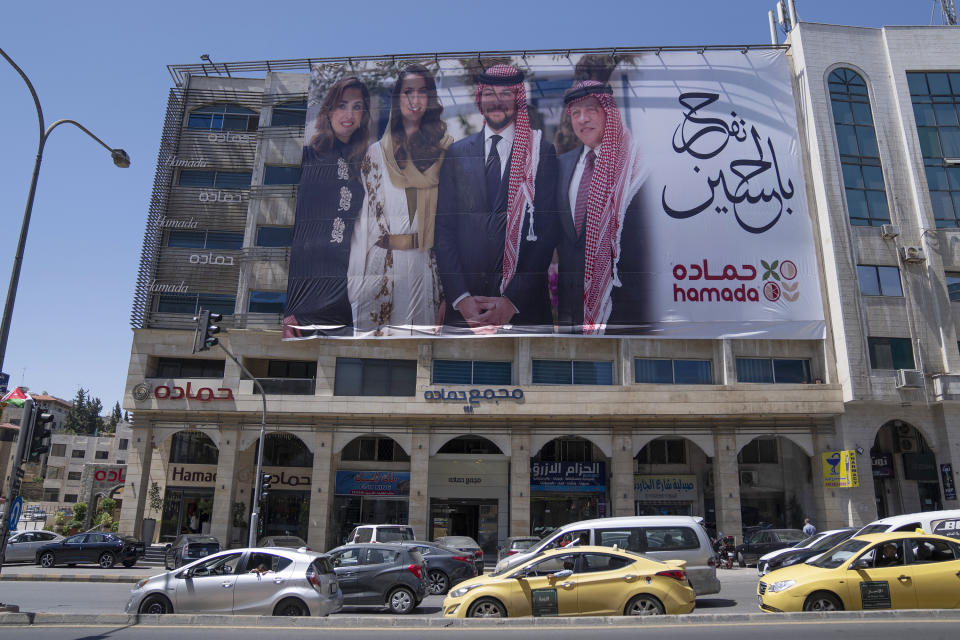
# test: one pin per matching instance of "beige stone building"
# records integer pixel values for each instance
(544, 431)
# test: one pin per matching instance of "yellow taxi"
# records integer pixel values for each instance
(897, 570)
(582, 581)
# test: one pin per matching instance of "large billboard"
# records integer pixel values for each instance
(649, 194)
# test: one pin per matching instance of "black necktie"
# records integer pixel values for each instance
(493, 172)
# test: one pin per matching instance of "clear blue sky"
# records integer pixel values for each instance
(104, 64)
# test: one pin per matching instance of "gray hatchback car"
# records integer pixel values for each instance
(381, 575)
(260, 581)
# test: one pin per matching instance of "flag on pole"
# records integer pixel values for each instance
(15, 398)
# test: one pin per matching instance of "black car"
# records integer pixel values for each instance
(446, 567)
(465, 544)
(187, 548)
(104, 549)
(825, 542)
(380, 575)
(764, 541)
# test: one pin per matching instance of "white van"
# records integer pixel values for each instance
(941, 523)
(656, 537)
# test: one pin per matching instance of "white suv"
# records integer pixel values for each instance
(380, 533)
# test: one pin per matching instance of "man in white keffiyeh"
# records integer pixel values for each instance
(603, 274)
(496, 220)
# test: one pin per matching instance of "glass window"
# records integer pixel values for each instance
(773, 370)
(267, 302)
(927, 551)
(470, 445)
(289, 114)
(471, 372)
(857, 142)
(205, 239)
(215, 179)
(223, 117)
(370, 377)
(286, 450)
(663, 451)
(592, 562)
(274, 236)
(671, 538)
(77, 453)
(224, 240)
(374, 450)
(936, 99)
(74, 475)
(281, 175)
(218, 566)
(193, 447)
(890, 353)
(759, 451)
(572, 372)
(662, 371)
(101, 455)
(189, 368)
(58, 450)
(953, 286)
(69, 497)
(186, 239)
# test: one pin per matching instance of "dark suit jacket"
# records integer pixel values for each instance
(469, 238)
(630, 312)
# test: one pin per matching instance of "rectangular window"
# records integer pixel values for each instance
(123, 444)
(74, 475)
(369, 377)
(292, 369)
(936, 101)
(953, 286)
(58, 450)
(876, 280)
(189, 368)
(267, 302)
(77, 453)
(759, 451)
(69, 497)
(663, 451)
(101, 455)
(664, 371)
(192, 302)
(121, 462)
(890, 353)
(773, 370)
(215, 179)
(205, 239)
(281, 175)
(572, 372)
(471, 372)
(53, 473)
(274, 236)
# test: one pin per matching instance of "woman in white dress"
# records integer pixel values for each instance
(393, 284)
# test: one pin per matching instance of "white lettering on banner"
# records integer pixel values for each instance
(168, 223)
(157, 287)
(573, 468)
(226, 261)
(230, 137)
(180, 162)
(220, 196)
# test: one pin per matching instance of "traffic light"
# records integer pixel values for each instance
(204, 337)
(39, 435)
(265, 479)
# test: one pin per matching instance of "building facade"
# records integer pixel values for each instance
(512, 436)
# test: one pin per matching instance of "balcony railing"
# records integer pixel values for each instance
(287, 386)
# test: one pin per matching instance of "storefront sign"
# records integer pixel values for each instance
(649, 488)
(568, 476)
(103, 477)
(373, 483)
(920, 466)
(281, 478)
(192, 475)
(203, 394)
(882, 465)
(946, 476)
(840, 469)
(473, 396)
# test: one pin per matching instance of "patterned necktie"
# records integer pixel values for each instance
(583, 194)
(493, 172)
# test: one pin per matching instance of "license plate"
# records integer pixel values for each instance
(759, 599)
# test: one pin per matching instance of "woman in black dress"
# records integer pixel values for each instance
(329, 198)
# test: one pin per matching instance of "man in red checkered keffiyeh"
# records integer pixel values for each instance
(609, 168)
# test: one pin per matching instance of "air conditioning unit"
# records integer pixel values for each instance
(913, 254)
(909, 379)
(946, 386)
(750, 478)
(889, 231)
(906, 445)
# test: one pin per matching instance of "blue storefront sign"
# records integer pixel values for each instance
(568, 476)
(373, 483)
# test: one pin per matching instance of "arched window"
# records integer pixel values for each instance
(374, 449)
(859, 153)
(223, 117)
(567, 450)
(470, 445)
(286, 450)
(193, 447)
(289, 114)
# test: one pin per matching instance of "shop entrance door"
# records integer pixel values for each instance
(285, 514)
(477, 519)
(185, 510)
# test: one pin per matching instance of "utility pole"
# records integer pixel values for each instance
(16, 477)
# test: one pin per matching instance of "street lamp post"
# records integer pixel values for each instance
(120, 158)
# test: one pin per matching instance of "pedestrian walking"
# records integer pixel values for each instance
(808, 528)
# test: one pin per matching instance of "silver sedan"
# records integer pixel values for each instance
(22, 545)
(260, 581)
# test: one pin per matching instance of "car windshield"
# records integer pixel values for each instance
(830, 540)
(459, 540)
(839, 555)
(790, 535)
(873, 528)
(808, 542)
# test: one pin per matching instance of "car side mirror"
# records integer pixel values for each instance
(185, 574)
(560, 575)
(861, 563)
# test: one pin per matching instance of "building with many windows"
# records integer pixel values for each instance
(513, 436)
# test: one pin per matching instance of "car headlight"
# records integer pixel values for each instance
(462, 591)
(783, 585)
(141, 583)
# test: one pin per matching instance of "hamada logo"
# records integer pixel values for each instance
(702, 282)
(778, 280)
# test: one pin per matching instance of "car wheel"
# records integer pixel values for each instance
(644, 605)
(156, 604)
(48, 560)
(129, 563)
(741, 560)
(106, 560)
(401, 600)
(487, 608)
(822, 601)
(291, 607)
(439, 583)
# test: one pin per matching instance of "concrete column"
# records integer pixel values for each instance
(949, 451)
(424, 365)
(225, 490)
(419, 513)
(523, 364)
(139, 461)
(321, 491)
(726, 480)
(520, 483)
(243, 481)
(621, 475)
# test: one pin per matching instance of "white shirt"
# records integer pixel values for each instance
(578, 175)
(504, 146)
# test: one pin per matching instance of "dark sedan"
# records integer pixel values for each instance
(380, 575)
(104, 549)
(829, 540)
(764, 541)
(465, 544)
(446, 567)
(187, 548)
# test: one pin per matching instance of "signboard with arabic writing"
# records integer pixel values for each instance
(840, 469)
(568, 476)
(373, 483)
(665, 487)
(691, 222)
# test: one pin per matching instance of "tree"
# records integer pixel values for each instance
(83, 418)
(116, 416)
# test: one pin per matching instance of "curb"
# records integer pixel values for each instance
(354, 622)
(74, 577)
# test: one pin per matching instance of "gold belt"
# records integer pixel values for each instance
(399, 242)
